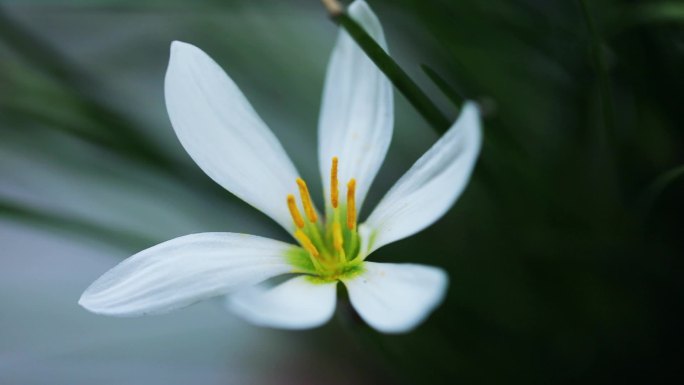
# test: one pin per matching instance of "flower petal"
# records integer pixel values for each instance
(185, 270)
(224, 135)
(297, 303)
(357, 111)
(427, 190)
(395, 298)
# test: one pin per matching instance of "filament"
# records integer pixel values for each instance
(306, 243)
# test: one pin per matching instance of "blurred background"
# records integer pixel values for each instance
(565, 252)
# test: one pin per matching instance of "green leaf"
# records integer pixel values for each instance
(454, 96)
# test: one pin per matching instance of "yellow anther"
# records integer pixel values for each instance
(351, 204)
(306, 200)
(334, 184)
(338, 240)
(294, 211)
(306, 243)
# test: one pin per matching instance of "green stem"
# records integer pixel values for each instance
(399, 78)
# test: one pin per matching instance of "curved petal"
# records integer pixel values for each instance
(357, 111)
(297, 303)
(185, 270)
(395, 298)
(224, 135)
(430, 187)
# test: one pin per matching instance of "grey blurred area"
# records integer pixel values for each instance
(91, 172)
(48, 339)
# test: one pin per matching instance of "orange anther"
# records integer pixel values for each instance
(294, 211)
(334, 184)
(306, 200)
(351, 204)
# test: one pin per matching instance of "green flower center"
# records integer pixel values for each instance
(329, 249)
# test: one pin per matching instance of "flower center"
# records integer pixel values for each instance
(332, 245)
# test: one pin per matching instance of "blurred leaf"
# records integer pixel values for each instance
(654, 12)
(71, 226)
(455, 97)
(123, 133)
(659, 185)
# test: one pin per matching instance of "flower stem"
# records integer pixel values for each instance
(399, 78)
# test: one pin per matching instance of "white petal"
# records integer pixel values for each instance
(185, 270)
(430, 187)
(357, 112)
(395, 298)
(224, 135)
(295, 304)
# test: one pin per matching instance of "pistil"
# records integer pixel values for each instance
(338, 240)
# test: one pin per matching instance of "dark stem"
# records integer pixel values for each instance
(399, 78)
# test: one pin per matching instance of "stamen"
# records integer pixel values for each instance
(334, 184)
(306, 200)
(338, 240)
(306, 243)
(351, 204)
(294, 211)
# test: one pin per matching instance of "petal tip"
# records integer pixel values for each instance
(359, 6)
(177, 45)
(362, 13)
(471, 107)
(182, 48)
(83, 301)
(87, 303)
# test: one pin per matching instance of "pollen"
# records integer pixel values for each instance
(306, 243)
(294, 211)
(351, 204)
(306, 200)
(334, 184)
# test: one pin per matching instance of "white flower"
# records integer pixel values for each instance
(226, 138)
